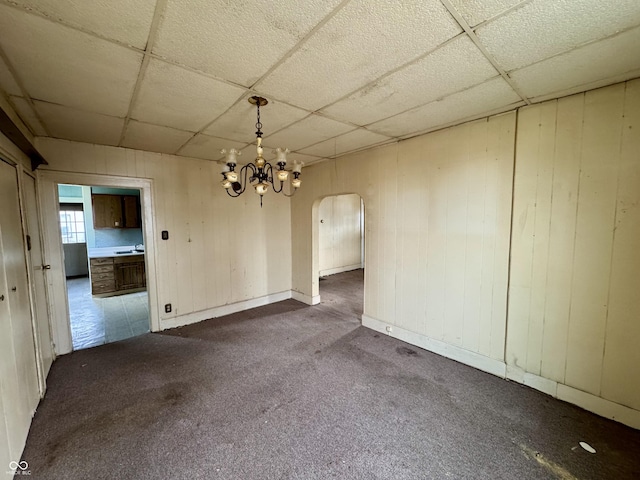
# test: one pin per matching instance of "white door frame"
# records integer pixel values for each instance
(48, 181)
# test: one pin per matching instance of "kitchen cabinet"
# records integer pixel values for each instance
(115, 211)
(117, 274)
(129, 272)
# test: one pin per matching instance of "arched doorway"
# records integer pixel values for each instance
(338, 250)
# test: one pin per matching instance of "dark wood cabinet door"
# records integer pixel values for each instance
(130, 207)
(130, 275)
(107, 211)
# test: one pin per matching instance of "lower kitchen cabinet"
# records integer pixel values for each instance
(117, 274)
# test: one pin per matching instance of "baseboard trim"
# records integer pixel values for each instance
(215, 312)
(588, 401)
(301, 297)
(333, 271)
(486, 364)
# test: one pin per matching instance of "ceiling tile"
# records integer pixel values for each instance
(294, 157)
(348, 142)
(204, 146)
(477, 11)
(582, 66)
(456, 66)
(363, 41)
(64, 66)
(127, 21)
(182, 99)
(154, 138)
(237, 41)
(72, 124)
(239, 122)
(28, 116)
(309, 131)
(544, 28)
(7, 82)
(485, 98)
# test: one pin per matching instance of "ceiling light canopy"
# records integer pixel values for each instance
(260, 174)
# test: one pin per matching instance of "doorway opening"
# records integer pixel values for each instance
(340, 247)
(104, 261)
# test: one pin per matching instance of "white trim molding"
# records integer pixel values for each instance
(333, 271)
(588, 401)
(222, 310)
(304, 298)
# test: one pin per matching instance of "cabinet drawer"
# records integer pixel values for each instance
(101, 269)
(102, 276)
(102, 261)
(103, 286)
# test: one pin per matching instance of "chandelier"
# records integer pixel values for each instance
(260, 174)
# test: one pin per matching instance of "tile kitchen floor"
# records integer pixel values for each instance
(95, 320)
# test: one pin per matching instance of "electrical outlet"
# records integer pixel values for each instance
(165, 234)
(167, 308)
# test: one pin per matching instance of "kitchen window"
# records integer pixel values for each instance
(72, 223)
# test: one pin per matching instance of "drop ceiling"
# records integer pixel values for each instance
(173, 76)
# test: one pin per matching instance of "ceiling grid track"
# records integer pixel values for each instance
(161, 5)
(474, 38)
(25, 94)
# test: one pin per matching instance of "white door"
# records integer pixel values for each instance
(20, 393)
(38, 280)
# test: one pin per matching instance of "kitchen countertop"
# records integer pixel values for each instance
(105, 252)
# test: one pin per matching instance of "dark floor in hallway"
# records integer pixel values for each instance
(99, 320)
(288, 391)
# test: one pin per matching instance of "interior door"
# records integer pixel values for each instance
(38, 284)
(20, 393)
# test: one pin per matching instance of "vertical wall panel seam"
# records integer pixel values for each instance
(546, 281)
(575, 236)
(613, 240)
(510, 245)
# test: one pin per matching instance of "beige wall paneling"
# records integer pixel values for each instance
(531, 214)
(564, 204)
(620, 379)
(573, 305)
(221, 251)
(601, 141)
(340, 234)
(437, 213)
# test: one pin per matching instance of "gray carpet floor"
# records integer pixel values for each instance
(289, 391)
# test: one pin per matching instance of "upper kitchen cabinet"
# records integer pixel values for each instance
(115, 211)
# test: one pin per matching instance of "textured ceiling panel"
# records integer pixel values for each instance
(64, 66)
(311, 130)
(478, 100)
(7, 82)
(238, 41)
(348, 142)
(299, 157)
(154, 138)
(28, 116)
(544, 28)
(239, 123)
(477, 11)
(456, 66)
(127, 21)
(179, 98)
(204, 146)
(81, 126)
(582, 66)
(363, 41)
